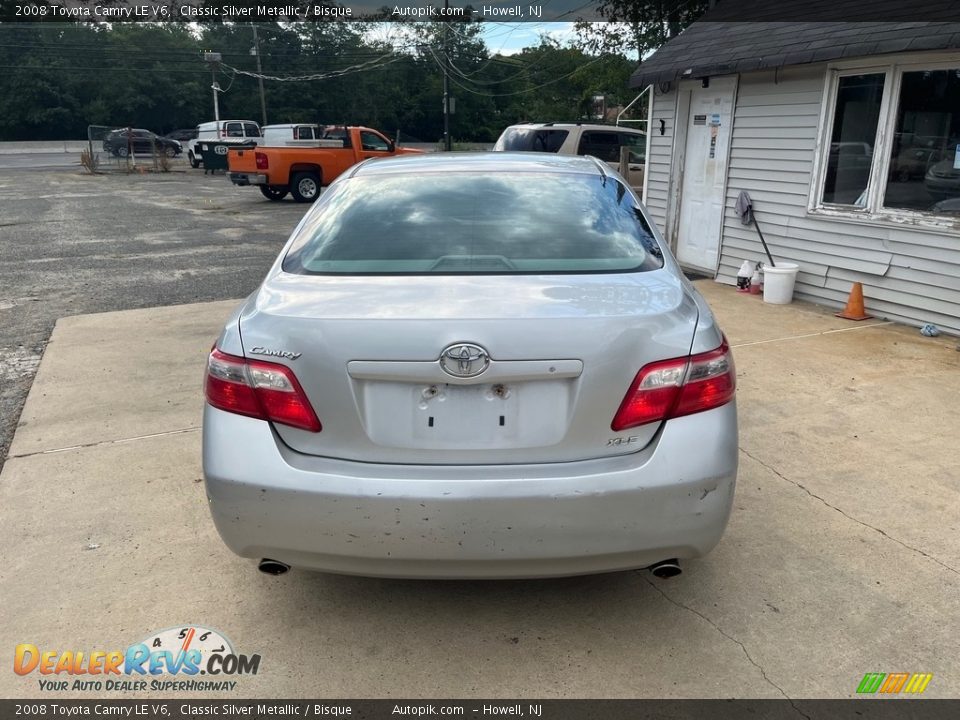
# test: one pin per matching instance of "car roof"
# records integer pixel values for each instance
(492, 162)
(585, 126)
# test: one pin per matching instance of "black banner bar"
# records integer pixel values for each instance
(206, 11)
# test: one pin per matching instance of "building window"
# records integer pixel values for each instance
(855, 115)
(891, 143)
(924, 170)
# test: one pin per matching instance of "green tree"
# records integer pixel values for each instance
(637, 26)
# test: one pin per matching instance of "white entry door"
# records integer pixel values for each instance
(705, 174)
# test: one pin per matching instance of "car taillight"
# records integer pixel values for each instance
(258, 389)
(682, 386)
(262, 162)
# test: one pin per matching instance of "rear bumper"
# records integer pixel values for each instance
(244, 179)
(671, 500)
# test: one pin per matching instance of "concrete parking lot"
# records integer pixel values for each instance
(841, 557)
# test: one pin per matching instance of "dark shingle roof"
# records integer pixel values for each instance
(714, 46)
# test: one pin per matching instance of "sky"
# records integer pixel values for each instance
(504, 38)
(508, 38)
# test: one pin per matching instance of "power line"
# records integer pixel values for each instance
(525, 90)
(371, 65)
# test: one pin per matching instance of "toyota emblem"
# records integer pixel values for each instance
(464, 360)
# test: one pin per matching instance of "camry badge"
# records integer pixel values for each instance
(286, 354)
(464, 360)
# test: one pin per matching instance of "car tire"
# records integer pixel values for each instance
(305, 187)
(274, 192)
(170, 152)
(194, 163)
(123, 151)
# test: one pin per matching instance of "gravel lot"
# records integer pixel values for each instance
(72, 243)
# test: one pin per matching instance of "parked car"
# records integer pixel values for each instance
(601, 141)
(472, 365)
(183, 135)
(236, 131)
(120, 142)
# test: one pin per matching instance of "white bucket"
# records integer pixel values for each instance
(778, 282)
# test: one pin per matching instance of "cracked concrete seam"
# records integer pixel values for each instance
(100, 443)
(814, 334)
(729, 637)
(848, 516)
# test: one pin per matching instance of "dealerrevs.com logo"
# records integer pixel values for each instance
(170, 660)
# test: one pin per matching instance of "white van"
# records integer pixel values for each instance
(297, 135)
(246, 131)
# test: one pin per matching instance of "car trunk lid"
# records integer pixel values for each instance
(558, 355)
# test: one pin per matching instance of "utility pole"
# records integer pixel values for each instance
(447, 145)
(256, 51)
(214, 59)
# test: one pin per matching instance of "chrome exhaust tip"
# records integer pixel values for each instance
(272, 567)
(666, 568)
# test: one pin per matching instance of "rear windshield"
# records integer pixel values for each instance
(475, 224)
(531, 140)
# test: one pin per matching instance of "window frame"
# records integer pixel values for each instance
(874, 211)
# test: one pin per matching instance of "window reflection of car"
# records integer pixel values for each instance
(911, 163)
(120, 142)
(943, 179)
(950, 206)
(844, 155)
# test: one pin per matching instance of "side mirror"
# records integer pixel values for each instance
(391, 146)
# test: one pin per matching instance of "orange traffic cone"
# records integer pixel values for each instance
(854, 309)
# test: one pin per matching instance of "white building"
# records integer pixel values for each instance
(846, 136)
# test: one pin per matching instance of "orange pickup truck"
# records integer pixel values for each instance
(302, 171)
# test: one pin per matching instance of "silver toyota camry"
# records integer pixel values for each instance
(472, 365)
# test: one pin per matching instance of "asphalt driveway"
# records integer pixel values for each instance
(841, 557)
(72, 243)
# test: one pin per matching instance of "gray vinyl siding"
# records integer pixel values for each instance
(660, 159)
(911, 276)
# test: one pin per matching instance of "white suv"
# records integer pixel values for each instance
(601, 141)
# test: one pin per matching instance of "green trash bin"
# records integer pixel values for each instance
(214, 153)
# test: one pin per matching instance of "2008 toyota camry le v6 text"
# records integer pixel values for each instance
(472, 365)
